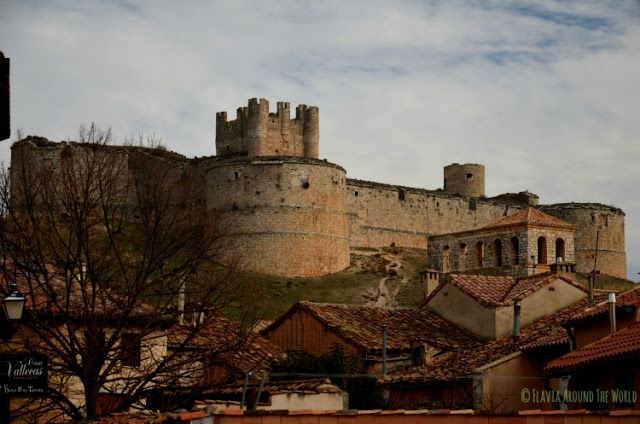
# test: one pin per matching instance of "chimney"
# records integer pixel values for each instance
(612, 313)
(516, 320)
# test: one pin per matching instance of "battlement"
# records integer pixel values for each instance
(257, 132)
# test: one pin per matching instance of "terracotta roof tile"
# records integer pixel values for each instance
(531, 217)
(628, 299)
(362, 326)
(459, 364)
(237, 348)
(58, 294)
(315, 385)
(621, 344)
(492, 290)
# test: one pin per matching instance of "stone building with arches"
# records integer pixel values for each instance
(287, 212)
(524, 243)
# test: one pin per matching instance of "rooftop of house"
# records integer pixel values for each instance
(49, 291)
(623, 344)
(361, 326)
(239, 348)
(530, 217)
(544, 333)
(309, 385)
(627, 300)
(494, 290)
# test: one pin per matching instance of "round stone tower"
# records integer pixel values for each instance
(595, 222)
(283, 209)
(283, 215)
(466, 179)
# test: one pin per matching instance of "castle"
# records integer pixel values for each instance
(292, 214)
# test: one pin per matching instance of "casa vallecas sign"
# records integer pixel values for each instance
(23, 374)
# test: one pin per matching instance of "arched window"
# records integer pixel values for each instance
(497, 252)
(446, 258)
(542, 250)
(463, 257)
(479, 254)
(515, 250)
(560, 251)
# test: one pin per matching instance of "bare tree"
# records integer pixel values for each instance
(100, 239)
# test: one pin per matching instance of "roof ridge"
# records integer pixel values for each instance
(529, 216)
(516, 282)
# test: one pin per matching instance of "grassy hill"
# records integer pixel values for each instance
(385, 277)
(606, 282)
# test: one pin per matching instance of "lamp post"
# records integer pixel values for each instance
(13, 305)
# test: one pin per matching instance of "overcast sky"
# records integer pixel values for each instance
(545, 94)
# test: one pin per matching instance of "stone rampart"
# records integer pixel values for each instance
(285, 216)
(595, 221)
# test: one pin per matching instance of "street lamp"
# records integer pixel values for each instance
(13, 303)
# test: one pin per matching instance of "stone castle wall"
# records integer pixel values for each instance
(286, 216)
(381, 215)
(591, 219)
(288, 213)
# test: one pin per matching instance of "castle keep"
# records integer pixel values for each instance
(289, 213)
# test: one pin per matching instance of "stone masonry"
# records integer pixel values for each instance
(291, 214)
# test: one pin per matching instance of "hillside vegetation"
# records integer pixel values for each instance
(383, 277)
(606, 282)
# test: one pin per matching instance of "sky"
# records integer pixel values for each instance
(544, 93)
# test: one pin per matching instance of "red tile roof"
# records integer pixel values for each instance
(459, 364)
(362, 326)
(58, 294)
(624, 301)
(308, 385)
(242, 350)
(619, 345)
(531, 217)
(493, 290)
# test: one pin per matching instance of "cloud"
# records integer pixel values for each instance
(543, 93)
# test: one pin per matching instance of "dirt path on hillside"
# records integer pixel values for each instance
(393, 266)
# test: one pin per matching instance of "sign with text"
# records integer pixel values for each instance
(23, 374)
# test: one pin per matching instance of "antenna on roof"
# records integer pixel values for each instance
(592, 280)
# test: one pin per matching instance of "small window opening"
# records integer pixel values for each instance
(446, 265)
(305, 185)
(497, 252)
(355, 193)
(463, 257)
(401, 194)
(418, 354)
(130, 349)
(479, 254)
(542, 250)
(236, 175)
(469, 176)
(515, 250)
(560, 255)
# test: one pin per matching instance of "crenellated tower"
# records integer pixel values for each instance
(257, 132)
